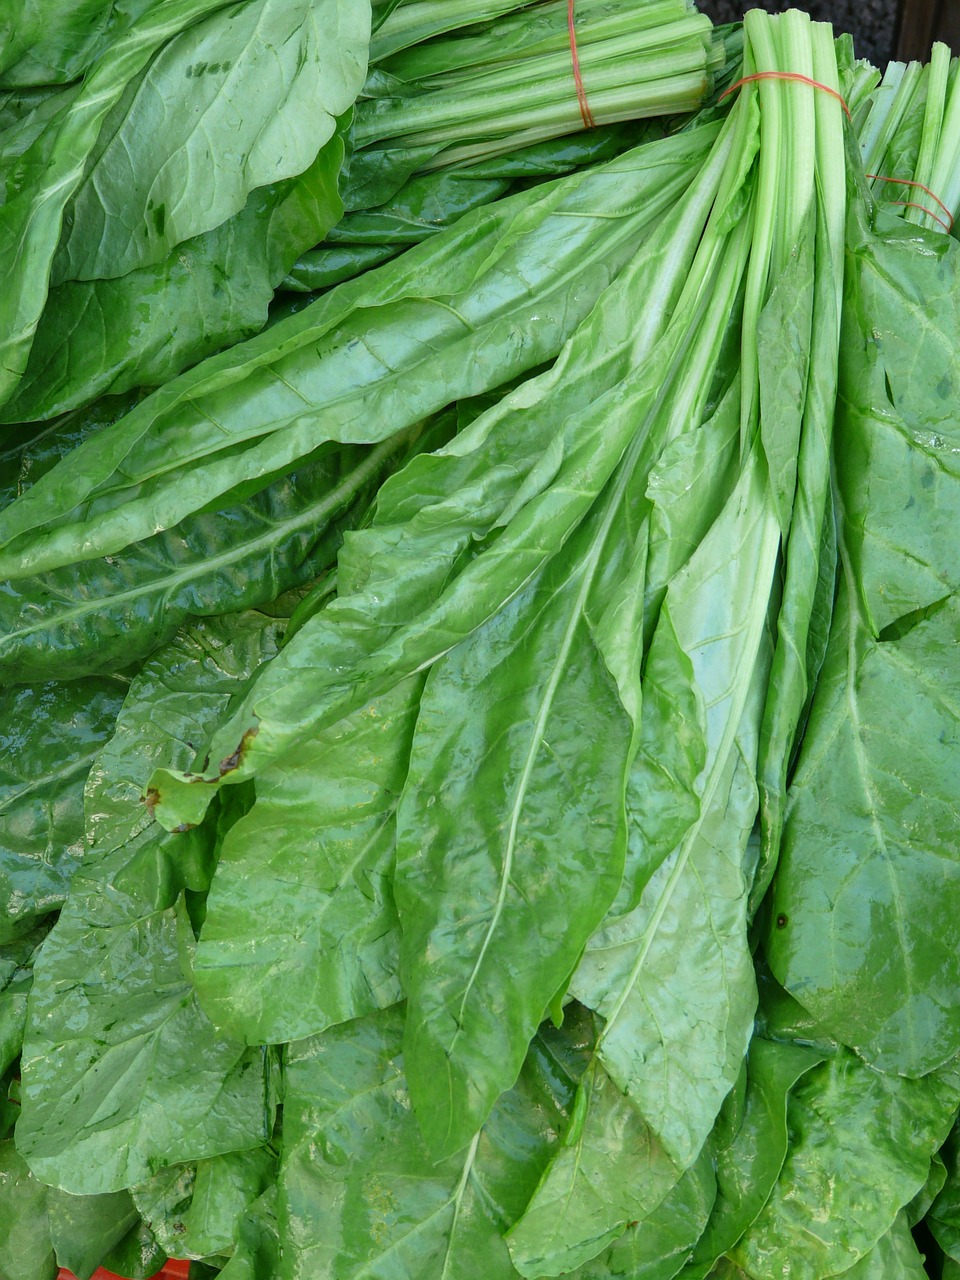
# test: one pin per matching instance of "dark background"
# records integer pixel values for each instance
(881, 29)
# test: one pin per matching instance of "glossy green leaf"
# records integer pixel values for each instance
(257, 1255)
(751, 1143)
(45, 42)
(224, 1190)
(657, 1247)
(301, 930)
(863, 918)
(177, 693)
(943, 1218)
(26, 1250)
(417, 611)
(227, 99)
(494, 908)
(122, 1073)
(84, 1229)
(895, 1256)
(609, 1174)
(861, 1149)
(359, 1196)
(49, 737)
(48, 171)
(125, 1075)
(674, 978)
(253, 410)
(99, 337)
(897, 434)
(163, 1202)
(90, 616)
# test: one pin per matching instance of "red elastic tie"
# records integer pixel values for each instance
(910, 204)
(906, 182)
(585, 112)
(789, 75)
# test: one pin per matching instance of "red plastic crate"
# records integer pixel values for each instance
(173, 1269)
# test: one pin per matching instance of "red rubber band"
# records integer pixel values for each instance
(789, 75)
(910, 204)
(585, 112)
(905, 182)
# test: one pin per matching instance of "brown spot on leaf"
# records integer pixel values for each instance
(183, 827)
(151, 800)
(232, 762)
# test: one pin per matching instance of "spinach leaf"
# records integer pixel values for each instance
(98, 337)
(227, 98)
(26, 1250)
(45, 173)
(360, 1196)
(49, 738)
(861, 1150)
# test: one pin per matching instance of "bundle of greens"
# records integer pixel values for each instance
(151, 211)
(499, 817)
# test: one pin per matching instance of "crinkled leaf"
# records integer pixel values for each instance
(404, 640)
(91, 616)
(221, 110)
(864, 921)
(337, 371)
(359, 1196)
(99, 337)
(122, 1072)
(301, 931)
(49, 737)
(861, 1149)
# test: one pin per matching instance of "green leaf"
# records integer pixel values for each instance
(751, 1142)
(44, 174)
(943, 1218)
(863, 920)
(609, 1174)
(895, 1256)
(419, 609)
(224, 1191)
(85, 1228)
(301, 931)
(45, 43)
(122, 1073)
(252, 410)
(219, 112)
(176, 695)
(899, 381)
(163, 1202)
(861, 1149)
(26, 1250)
(257, 1255)
(496, 904)
(99, 337)
(359, 1196)
(657, 1247)
(90, 616)
(49, 737)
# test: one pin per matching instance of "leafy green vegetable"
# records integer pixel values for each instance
(25, 1245)
(50, 735)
